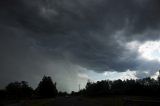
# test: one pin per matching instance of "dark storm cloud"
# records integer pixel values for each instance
(85, 33)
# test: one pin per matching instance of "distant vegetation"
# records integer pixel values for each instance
(139, 87)
(47, 89)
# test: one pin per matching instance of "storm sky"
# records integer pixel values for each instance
(74, 41)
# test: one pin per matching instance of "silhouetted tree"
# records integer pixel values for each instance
(99, 88)
(117, 87)
(46, 88)
(19, 90)
(2, 94)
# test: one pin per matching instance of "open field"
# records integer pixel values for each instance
(93, 101)
(35, 102)
(38, 102)
(125, 100)
(108, 101)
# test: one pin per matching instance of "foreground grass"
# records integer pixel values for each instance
(117, 100)
(37, 102)
(108, 101)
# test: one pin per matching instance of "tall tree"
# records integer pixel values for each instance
(46, 88)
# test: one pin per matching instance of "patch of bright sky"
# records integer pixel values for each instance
(120, 75)
(149, 50)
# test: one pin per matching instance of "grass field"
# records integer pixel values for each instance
(37, 102)
(118, 100)
(108, 101)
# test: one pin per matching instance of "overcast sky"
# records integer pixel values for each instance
(78, 40)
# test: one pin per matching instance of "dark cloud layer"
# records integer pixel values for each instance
(92, 34)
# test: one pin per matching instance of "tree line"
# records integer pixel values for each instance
(21, 90)
(142, 87)
(47, 88)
